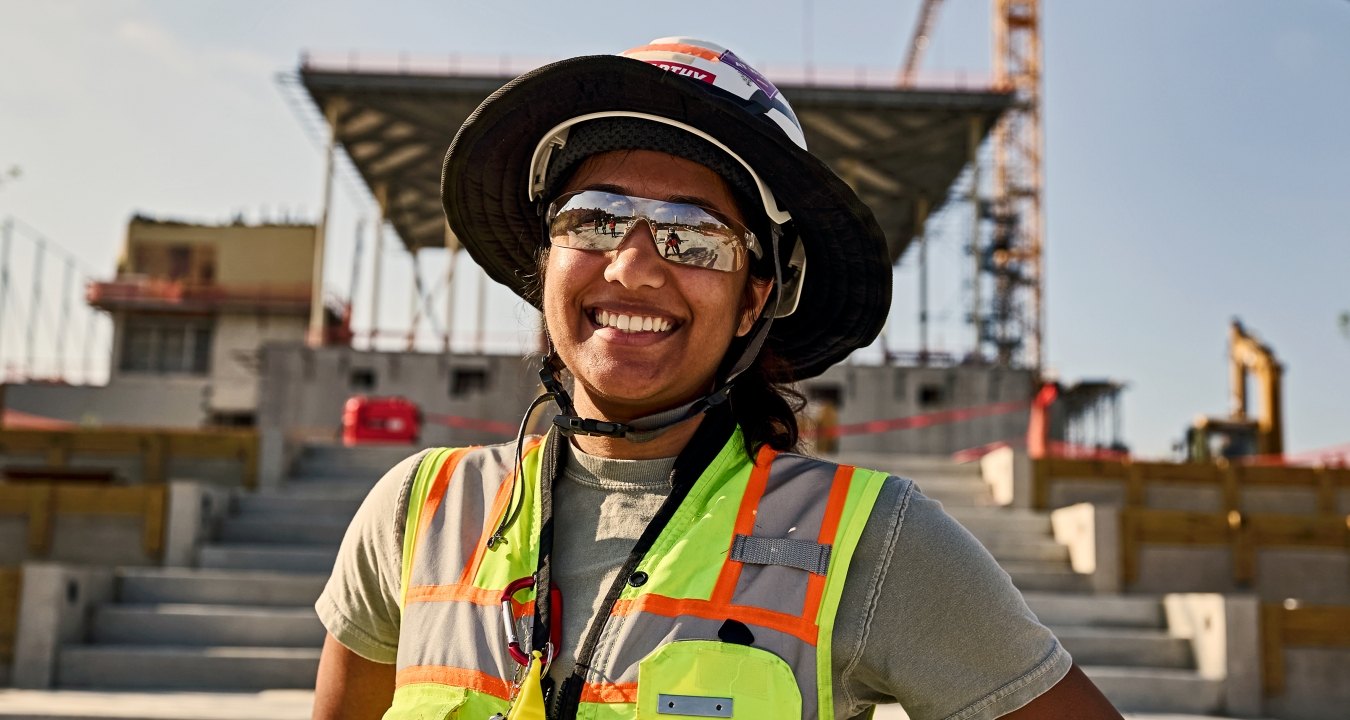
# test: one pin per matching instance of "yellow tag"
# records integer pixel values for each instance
(529, 702)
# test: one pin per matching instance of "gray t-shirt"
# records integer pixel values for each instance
(927, 618)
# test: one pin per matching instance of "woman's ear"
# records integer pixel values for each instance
(758, 293)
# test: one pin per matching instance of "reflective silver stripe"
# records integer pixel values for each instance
(801, 554)
(693, 706)
(455, 634)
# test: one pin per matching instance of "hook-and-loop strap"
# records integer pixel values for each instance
(812, 557)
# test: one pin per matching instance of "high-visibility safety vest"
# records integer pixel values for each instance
(764, 545)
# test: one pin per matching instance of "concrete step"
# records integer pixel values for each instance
(273, 558)
(1157, 690)
(321, 530)
(151, 705)
(328, 487)
(206, 625)
(293, 505)
(1126, 647)
(182, 668)
(1055, 609)
(982, 522)
(219, 587)
(1045, 577)
(1018, 549)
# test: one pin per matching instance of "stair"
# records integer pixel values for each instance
(1121, 642)
(243, 619)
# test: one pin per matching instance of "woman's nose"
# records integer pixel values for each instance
(636, 263)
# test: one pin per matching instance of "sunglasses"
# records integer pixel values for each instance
(684, 234)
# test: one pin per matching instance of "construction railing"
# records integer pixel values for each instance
(154, 448)
(1231, 525)
(1292, 625)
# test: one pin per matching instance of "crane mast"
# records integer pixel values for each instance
(1017, 251)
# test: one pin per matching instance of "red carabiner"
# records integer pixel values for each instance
(509, 621)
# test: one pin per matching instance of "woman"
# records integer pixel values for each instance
(663, 552)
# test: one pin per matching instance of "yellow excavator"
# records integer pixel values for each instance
(1239, 435)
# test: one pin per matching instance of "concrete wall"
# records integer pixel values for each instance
(871, 392)
(303, 390)
(235, 356)
(166, 401)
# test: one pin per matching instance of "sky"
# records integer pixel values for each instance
(1197, 165)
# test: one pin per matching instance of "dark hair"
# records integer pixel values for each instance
(764, 401)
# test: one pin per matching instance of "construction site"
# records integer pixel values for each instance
(165, 531)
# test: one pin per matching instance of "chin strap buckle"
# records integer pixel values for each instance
(572, 425)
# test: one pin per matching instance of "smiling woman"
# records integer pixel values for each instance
(690, 258)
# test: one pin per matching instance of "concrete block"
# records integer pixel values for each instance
(53, 605)
(272, 461)
(1092, 535)
(1008, 473)
(195, 510)
(1224, 633)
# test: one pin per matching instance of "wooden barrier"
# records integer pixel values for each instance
(1244, 532)
(40, 502)
(1293, 625)
(10, 583)
(154, 448)
(1231, 479)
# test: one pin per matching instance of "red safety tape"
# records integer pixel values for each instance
(940, 417)
(468, 423)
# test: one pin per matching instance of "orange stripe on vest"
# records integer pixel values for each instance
(455, 677)
(745, 524)
(829, 528)
(802, 629)
(609, 693)
(463, 593)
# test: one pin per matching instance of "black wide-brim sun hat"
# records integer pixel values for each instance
(846, 293)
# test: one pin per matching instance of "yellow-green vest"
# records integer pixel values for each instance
(766, 543)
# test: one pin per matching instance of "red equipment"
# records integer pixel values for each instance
(370, 420)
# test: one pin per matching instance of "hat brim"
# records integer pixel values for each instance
(847, 290)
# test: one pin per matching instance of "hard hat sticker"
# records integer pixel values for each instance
(684, 70)
(749, 73)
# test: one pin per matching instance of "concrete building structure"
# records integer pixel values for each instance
(191, 305)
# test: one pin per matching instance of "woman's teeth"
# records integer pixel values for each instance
(631, 323)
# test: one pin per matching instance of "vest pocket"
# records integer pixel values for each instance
(708, 678)
(425, 701)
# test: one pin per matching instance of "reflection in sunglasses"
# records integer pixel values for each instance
(683, 233)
